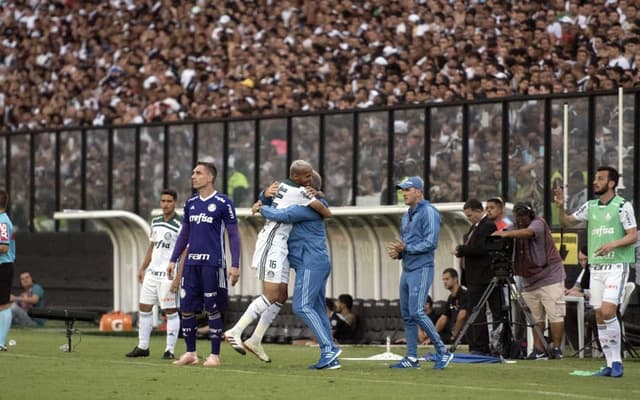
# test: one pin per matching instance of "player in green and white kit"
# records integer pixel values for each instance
(612, 234)
(157, 288)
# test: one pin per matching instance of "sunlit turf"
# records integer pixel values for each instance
(97, 369)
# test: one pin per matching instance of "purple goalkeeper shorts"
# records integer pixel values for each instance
(203, 285)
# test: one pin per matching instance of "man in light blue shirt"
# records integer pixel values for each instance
(420, 229)
(309, 256)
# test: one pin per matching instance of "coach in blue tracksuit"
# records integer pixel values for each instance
(419, 238)
(309, 256)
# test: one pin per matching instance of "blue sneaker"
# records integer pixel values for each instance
(328, 358)
(443, 360)
(335, 364)
(616, 369)
(406, 363)
(604, 371)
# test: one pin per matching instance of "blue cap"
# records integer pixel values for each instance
(411, 182)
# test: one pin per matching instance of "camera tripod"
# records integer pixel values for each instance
(498, 282)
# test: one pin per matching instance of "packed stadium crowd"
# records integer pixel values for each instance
(69, 63)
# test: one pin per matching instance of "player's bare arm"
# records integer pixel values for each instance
(145, 263)
(628, 239)
(255, 208)
(272, 189)
(175, 285)
(565, 220)
(320, 208)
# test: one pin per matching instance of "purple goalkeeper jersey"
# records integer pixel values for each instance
(203, 226)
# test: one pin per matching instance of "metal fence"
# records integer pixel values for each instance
(511, 147)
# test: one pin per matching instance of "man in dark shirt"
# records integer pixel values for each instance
(343, 321)
(475, 263)
(450, 323)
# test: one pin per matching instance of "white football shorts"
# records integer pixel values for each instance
(156, 289)
(607, 283)
(271, 262)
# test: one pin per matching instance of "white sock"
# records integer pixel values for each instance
(266, 319)
(253, 312)
(145, 325)
(173, 329)
(613, 329)
(603, 338)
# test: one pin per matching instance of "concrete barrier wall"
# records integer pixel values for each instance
(357, 238)
(75, 269)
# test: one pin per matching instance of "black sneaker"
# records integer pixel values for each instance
(138, 352)
(556, 354)
(168, 355)
(537, 355)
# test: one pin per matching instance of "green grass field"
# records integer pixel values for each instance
(35, 368)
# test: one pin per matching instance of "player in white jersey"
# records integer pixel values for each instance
(270, 260)
(612, 233)
(157, 288)
(270, 256)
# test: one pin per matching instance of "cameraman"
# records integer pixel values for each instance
(539, 264)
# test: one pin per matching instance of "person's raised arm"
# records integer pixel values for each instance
(266, 196)
(524, 233)
(319, 207)
(564, 219)
(290, 215)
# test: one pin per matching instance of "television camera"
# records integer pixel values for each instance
(500, 255)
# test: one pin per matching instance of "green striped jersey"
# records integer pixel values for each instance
(163, 236)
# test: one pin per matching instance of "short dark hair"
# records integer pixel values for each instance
(473, 204)
(331, 305)
(4, 199)
(210, 166)
(346, 299)
(452, 272)
(613, 174)
(170, 192)
(497, 200)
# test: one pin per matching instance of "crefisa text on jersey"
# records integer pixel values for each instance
(202, 217)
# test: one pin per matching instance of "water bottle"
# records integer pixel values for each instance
(12, 342)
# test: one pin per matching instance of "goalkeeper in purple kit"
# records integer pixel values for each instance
(204, 277)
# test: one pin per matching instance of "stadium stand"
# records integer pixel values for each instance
(70, 63)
